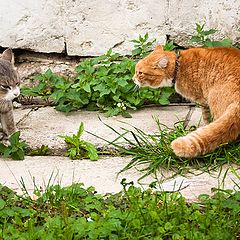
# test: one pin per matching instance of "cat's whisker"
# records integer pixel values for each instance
(136, 88)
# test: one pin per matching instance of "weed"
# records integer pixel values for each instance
(169, 46)
(101, 83)
(77, 213)
(142, 46)
(78, 148)
(105, 82)
(153, 151)
(203, 38)
(42, 151)
(15, 149)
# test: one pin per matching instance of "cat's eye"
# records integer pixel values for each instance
(18, 83)
(140, 73)
(6, 87)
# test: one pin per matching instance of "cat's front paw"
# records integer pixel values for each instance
(184, 147)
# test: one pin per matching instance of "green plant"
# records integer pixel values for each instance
(78, 148)
(77, 213)
(42, 151)
(16, 148)
(203, 37)
(142, 46)
(153, 151)
(169, 46)
(109, 81)
(102, 83)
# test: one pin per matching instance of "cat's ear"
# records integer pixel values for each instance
(8, 55)
(162, 61)
(158, 48)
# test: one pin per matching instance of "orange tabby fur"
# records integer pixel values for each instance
(208, 76)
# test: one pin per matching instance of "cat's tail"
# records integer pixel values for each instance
(206, 139)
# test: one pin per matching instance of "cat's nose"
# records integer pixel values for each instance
(16, 92)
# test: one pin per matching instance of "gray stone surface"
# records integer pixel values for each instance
(92, 27)
(44, 125)
(103, 175)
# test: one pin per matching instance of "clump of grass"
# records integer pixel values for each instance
(153, 151)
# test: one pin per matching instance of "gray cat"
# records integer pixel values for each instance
(9, 89)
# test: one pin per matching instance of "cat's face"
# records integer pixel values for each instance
(9, 79)
(155, 70)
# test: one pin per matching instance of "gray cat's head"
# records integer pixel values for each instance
(9, 79)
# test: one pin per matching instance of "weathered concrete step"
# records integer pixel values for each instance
(45, 125)
(102, 174)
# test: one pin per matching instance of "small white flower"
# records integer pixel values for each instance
(124, 108)
(89, 219)
(119, 104)
(34, 197)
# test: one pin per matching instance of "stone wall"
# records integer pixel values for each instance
(88, 28)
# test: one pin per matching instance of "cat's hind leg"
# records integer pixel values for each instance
(206, 114)
(205, 139)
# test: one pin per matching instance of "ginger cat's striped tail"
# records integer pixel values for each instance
(206, 139)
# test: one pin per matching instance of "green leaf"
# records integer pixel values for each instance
(87, 87)
(42, 151)
(136, 51)
(199, 27)
(223, 43)
(72, 153)
(92, 151)
(57, 95)
(112, 111)
(126, 114)
(2, 148)
(80, 130)
(122, 82)
(2, 204)
(18, 155)
(195, 39)
(65, 107)
(68, 140)
(7, 152)
(25, 91)
(48, 73)
(14, 138)
(209, 32)
(164, 101)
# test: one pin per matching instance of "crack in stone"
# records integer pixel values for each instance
(25, 116)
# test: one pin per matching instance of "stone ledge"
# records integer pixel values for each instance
(43, 126)
(103, 175)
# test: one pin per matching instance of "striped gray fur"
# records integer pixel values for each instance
(9, 89)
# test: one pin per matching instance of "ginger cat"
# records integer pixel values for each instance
(210, 77)
(9, 89)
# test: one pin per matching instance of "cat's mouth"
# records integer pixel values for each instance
(138, 84)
